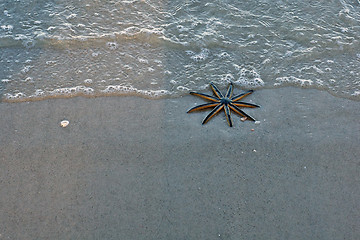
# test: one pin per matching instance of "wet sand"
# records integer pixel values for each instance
(133, 168)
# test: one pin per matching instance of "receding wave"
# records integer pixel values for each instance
(133, 34)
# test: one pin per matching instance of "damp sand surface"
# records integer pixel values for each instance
(134, 168)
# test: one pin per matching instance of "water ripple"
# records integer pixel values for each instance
(166, 48)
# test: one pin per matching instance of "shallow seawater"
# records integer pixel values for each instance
(167, 48)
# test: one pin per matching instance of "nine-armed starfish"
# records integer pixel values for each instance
(224, 102)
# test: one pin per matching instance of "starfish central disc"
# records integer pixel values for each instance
(225, 101)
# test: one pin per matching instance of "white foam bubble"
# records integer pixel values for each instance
(71, 16)
(39, 92)
(121, 89)
(7, 27)
(127, 67)
(182, 88)
(203, 55)
(71, 91)
(250, 78)
(28, 79)
(293, 80)
(95, 54)
(6, 13)
(51, 28)
(88, 81)
(143, 60)
(227, 77)
(182, 28)
(50, 62)
(26, 69)
(112, 45)
(224, 55)
(356, 93)
(131, 30)
(14, 96)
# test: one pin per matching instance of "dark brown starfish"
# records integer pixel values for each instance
(224, 102)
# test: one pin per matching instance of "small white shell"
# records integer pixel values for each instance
(64, 123)
(243, 119)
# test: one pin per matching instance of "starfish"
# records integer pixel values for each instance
(219, 102)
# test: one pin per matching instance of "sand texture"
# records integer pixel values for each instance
(134, 168)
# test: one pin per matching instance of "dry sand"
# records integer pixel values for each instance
(133, 168)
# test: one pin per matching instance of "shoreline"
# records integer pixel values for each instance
(154, 94)
(133, 168)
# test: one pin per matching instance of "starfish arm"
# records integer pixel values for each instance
(244, 104)
(229, 91)
(242, 95)
(241, 113)
(208, 97)
(202, 106)
(227, 114)
(216, 91)
(213, 113)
